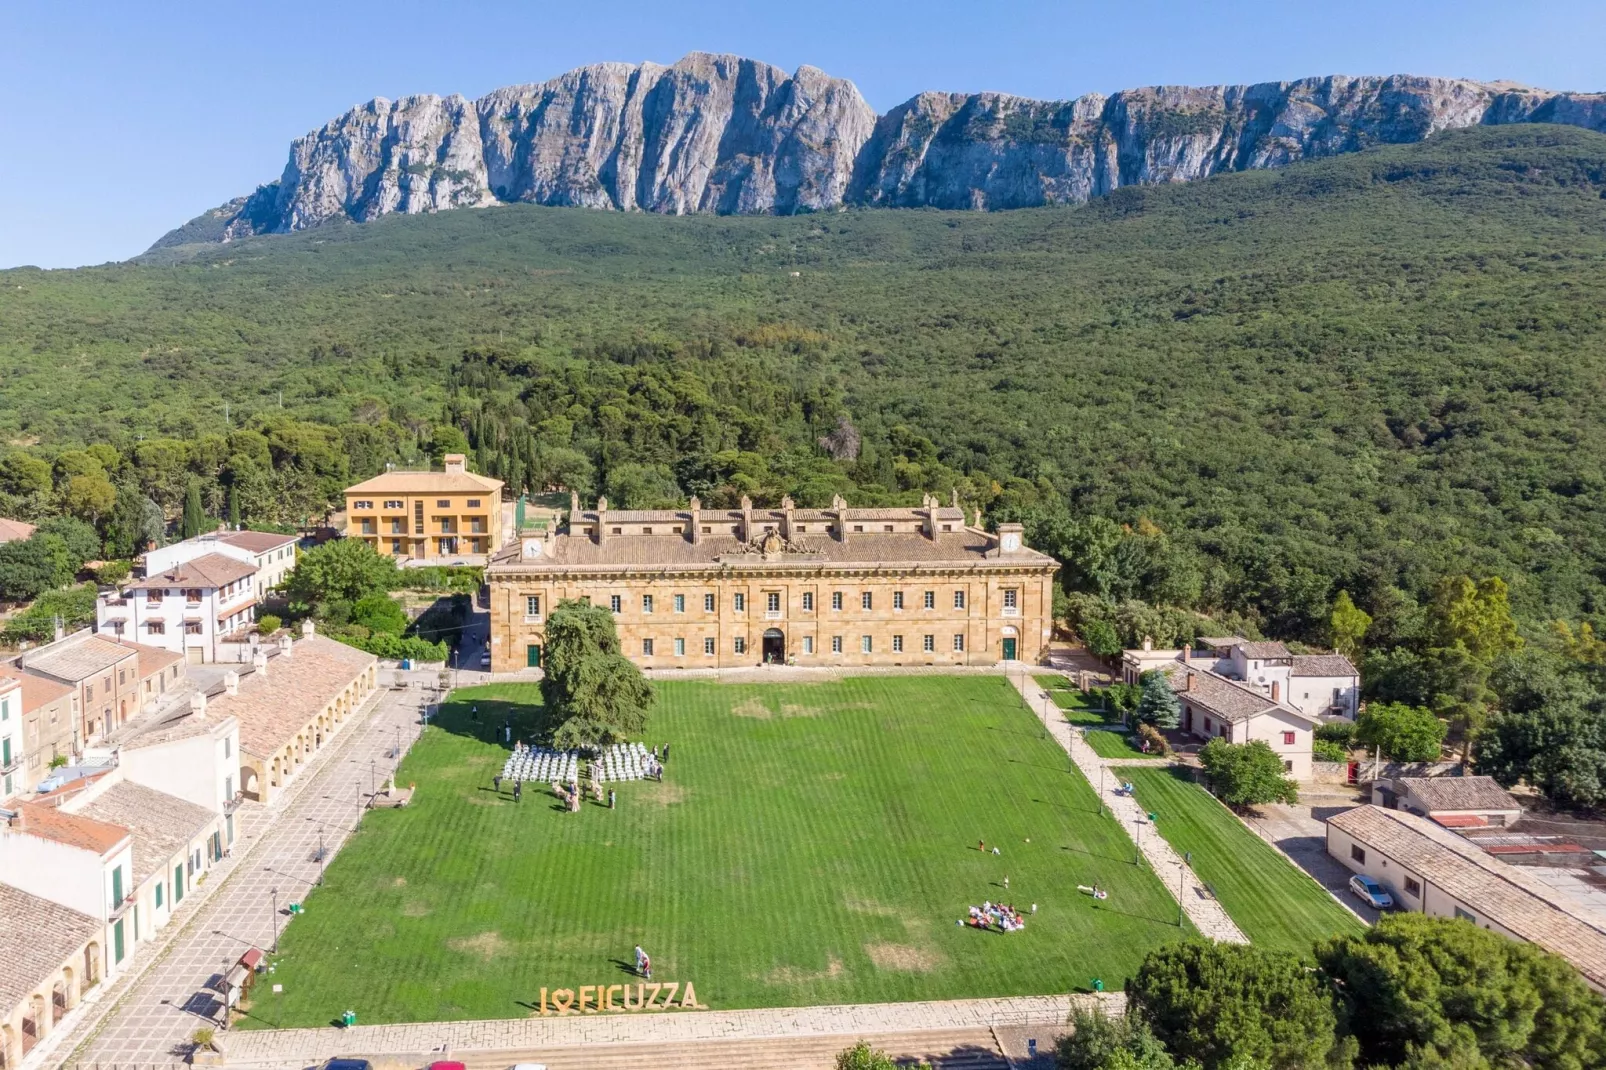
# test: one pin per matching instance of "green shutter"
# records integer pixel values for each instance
(117, 888)
(532, 656)
(178, 885)
(159, 887)
(117, 941)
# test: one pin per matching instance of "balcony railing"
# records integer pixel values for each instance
(231, 804)
(12, 766)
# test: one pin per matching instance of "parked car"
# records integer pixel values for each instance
(348, 1064)
(1371, 893)
(443, 1064)
(529, 1066)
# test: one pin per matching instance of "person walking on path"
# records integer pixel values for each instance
(613, 798)
(518, 794)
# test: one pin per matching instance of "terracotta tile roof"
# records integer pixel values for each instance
(161, 824)
(257, 542)
(1225, 699)
(37, 938)
(1491, 889)
(1218, 641)
(74, 830)
(1323, 665)
(1457, 793)
(77, 659)
(152, 659)
(12, 530)
(181, 727)
(427, 483)
(963, 548)
(1262, 651)
(272, 708)
(208, 570)
(37, 691)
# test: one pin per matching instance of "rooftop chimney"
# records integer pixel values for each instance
(231, 681)
(1276, 691)
(260, 664)
(456, 463)
(308, 629)
(696, 527)
(1189, 686)
(602, 519)
(747, 519)
(1148, 643)
(786, 516)
(198, 704)
(839, 506)
(928, 520)
(1187, 652)
(574, 510)
(285, 646)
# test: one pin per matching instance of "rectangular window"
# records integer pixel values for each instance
(897, 644)
(1466, 915)
(959, 641)
(808, 644)
(473, 503)
(155, 627)
(928, 643)
(418, 517)
(1011, 599)
(808, 601)
(1288, 739)
(864, 644)
(159, 887)
(708, 603)
(615, 603)
(392, 504)
(739, 602)
(646, 648)
(532, 605)
(708, 646)
(836, 600)
(772, 602)
(443, 503)
(836, 644)
(1412, 888)
(1358, 853)
(646, 603)
(959, 599)
(739, 645)
(192, 627)
(931, 600)
(865, 601)
(680, 648)
(362, 505)
(897, 599)
(680, 603)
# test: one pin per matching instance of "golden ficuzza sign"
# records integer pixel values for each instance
(641, 996)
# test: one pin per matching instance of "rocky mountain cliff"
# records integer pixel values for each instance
(723, 134)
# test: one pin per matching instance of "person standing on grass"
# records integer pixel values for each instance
(518, 794)
(640, 955)
(646, 966)
(496, 782)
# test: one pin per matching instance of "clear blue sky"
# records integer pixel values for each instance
(122, 120)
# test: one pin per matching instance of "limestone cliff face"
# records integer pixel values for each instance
(723, 134)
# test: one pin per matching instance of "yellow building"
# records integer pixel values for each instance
(431, 516)
(699, 588)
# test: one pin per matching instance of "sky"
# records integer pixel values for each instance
(122, 120)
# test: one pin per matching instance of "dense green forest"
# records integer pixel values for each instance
(1239, 397)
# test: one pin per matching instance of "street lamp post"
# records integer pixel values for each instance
(1137, 858)
(373, 777)
(274, 892)
(1102, 771)
(320, 854)
(1182, 872)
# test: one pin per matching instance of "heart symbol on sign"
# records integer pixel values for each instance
(562, 1000)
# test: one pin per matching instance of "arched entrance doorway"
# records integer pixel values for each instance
(774, 647)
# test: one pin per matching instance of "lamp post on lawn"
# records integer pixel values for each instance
(1182, 872)
(1102, 771)
(1137, 858)
(274, 892)
(373, 777)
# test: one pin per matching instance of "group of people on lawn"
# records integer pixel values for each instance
(1005, 917)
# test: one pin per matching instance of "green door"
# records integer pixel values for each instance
(117, 941)
(532, 656)
(117, 886)
(1009, 650)
(178, 885)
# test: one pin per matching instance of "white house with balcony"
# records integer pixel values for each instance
(273, 555)
(189, 607)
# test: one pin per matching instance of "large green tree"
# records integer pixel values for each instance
(1246, 774)
(591, 693)
(344, 570)
(1348, 623)
(30, 567)
(1221, 1004)
(1159, 704)
(194, 519)
(1404, 733)
(1418, 989)
(1100, 1042)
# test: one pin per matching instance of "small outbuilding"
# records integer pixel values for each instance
(1452, 801)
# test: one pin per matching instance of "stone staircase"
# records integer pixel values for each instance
(942, 1049)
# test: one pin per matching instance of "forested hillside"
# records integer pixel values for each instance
(1364, 373)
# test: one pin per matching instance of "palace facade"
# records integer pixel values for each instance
(696, 588)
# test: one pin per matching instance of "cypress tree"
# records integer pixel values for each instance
(194, 519)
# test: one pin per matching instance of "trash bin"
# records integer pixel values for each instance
(348, 1019)
(407, 663)
(1098, 986)
(295, 908)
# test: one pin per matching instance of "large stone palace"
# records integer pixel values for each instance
(695, 588)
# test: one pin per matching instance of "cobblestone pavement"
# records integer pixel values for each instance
(149, 1013)
(295, 1048)
(1201, 907)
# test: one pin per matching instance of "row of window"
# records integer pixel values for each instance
(928, 644)
(440, 503)
(772, 602)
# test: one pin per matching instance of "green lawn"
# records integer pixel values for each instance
(1115, 744)
(1079, 707)
(811, 843)
(1275, 904)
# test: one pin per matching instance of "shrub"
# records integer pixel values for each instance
(203, 1037)
(395, 647)
(1340, 732)
(267, 624)
(1325, 750)
(1157, 743)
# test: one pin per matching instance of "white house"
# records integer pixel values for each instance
(188, 607)
(80, 863)
(273, 555)
(1215, 707)
(1432, 870)
(193, 757)
(1320, 686)
(12, 751)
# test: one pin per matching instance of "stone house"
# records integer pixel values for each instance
(49, 957)
(49, 711)
(695, 588)
(104, 674)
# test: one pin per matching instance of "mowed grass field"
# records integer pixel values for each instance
(1115, 744)
(810, 843)
(1276, 904)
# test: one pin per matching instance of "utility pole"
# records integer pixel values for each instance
(274, 892)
